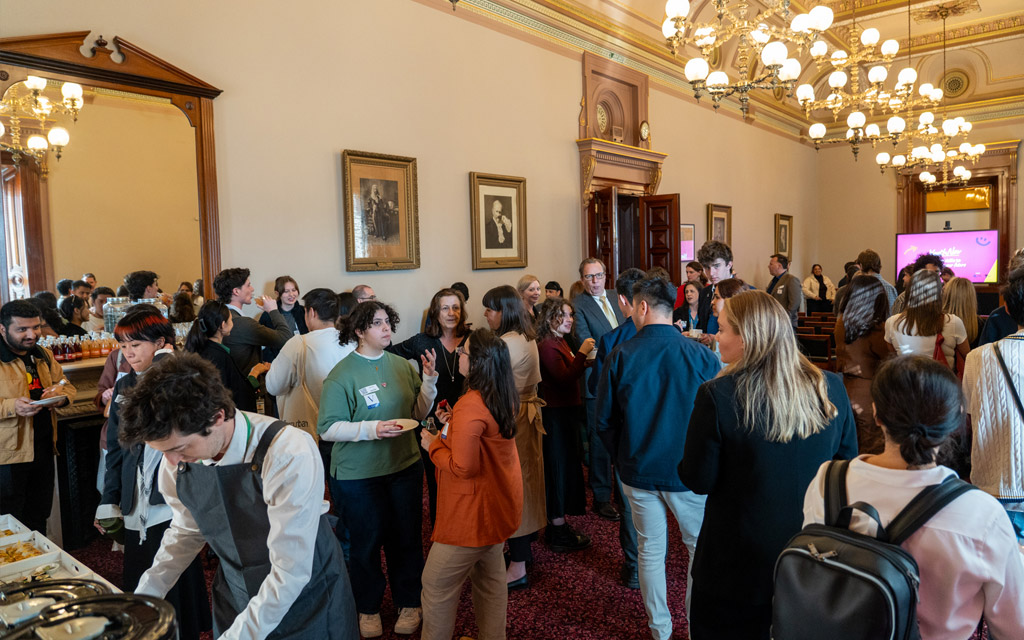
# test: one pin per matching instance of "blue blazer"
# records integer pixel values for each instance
(609, 341)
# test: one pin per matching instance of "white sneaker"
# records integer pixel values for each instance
(409, 619)
(370, 626)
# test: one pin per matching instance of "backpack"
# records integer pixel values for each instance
(831, 582)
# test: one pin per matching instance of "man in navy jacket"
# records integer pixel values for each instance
(645, 395)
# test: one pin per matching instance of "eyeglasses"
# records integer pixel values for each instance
(594, 276)
(366, 298)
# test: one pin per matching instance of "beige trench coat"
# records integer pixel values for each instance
(529, 432)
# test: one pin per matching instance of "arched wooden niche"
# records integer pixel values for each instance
(123, 66)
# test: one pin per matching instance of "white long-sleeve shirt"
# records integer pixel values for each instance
(323, 352)
(293, 490)
(970, 563)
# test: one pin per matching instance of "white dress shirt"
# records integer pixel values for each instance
(970, 563)
(293, 490)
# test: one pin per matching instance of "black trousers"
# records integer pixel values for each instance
(188, 596)
(563, 465)
(713, 618)
(26, 488)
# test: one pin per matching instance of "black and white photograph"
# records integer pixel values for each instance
(784, 235)
(720, 223)
(381, 212)
(498, 220)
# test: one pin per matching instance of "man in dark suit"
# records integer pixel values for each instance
(627, 532)
(247, 337)
(716, 257)
(497, 228)
(596, 315)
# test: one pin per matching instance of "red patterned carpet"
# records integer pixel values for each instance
(571, 595)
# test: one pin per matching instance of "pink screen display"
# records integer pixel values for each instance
(970, 254)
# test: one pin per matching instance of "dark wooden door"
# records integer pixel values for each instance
(603, 242)
(659, 233)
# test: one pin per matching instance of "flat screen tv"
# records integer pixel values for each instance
(970, 254)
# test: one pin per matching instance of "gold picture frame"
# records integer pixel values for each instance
(497, 206)
(720, 223)
(784, 235)
(381, 212)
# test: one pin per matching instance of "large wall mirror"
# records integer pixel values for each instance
(134, 188)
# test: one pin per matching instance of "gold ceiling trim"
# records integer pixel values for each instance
(625, 8)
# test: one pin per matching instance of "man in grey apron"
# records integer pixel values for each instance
(252, 488)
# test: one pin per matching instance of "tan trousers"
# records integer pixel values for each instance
(445, 572)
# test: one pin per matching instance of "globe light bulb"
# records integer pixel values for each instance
(819, 48)
(58, 136)
(71, 90)
(872, 131)
(907, 76)
(668, 28)
(839, 58)
(696, 69)
(790, 70)
(966, 128)
(677, 8)
(967, 175)
(821, 16)
(801, 23)
(877, 75)
(805, 93)
(717, 79)
(817, 131)
(37, 143)
(935, 148)
(761, 35)
(938, 157)
(2, 129)
(890, 48)
(774, 53)
(965, 148)
(856, 120)
(837, 79)
(951, 153)
(925, 89)
(959, 171)
(870, 37)
(35, 83)
(919, 152)
(924, 176)
(980, 149)
(950, 128)
(895, 125)
(935, 95)
(899, 161)
(926, 118)
(882, 158)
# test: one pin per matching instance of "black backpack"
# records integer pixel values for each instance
(834, 583)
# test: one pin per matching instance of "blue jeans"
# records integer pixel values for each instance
(650, 512)
(389, 513)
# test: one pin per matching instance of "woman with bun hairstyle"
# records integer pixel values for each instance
(479, 491)
(970, 564)
(206, 338)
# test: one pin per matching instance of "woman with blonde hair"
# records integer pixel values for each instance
(961, 300)
(757, 435)
(530, 291)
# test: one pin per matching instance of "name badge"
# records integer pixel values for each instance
(365, 391)
(371, 401)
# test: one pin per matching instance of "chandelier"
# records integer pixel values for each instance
(33, 105)
(754, 35)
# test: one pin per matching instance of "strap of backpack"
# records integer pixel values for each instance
(1009, 380)
(846, 516)
(835, 490)
(925, 504)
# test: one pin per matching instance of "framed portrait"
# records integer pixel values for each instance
(687, 243)
(381, 212)
(497, 206)
(784, 235)
(720, 223)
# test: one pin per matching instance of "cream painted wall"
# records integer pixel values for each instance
(858, 203)
(123, 196)
(400, 77)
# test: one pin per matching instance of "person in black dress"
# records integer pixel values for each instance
(446, 332)
(206, 337)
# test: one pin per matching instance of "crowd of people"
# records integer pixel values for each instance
(691, 399)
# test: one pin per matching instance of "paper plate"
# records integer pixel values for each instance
(407, 424)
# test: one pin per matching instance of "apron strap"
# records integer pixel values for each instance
(264, 444)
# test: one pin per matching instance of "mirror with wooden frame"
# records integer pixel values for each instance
(136, 186)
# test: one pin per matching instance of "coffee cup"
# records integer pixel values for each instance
(695, 333)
